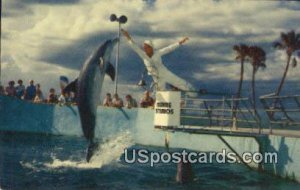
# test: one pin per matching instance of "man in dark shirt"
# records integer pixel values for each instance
(20, 89)
(30, 91)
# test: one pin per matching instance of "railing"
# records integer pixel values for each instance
(229, 113)
(282, 110)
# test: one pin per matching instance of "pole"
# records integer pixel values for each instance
(117, 60)
(0, 40)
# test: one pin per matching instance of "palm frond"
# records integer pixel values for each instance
(291, 37)
(236, 48)
(284, 39)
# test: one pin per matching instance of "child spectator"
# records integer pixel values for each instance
(20, 89)
(68, 98)
(52, 98)
(107, 100)
(147, 100)
(130, 102)
(64, 98)
(10, 89)
(30, 91)
(117, 102)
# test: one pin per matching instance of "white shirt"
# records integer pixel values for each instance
(155, 67)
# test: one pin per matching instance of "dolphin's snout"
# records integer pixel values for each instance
(91, 150)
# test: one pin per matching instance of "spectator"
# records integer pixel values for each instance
(52, 98)
(10, 89)
(38, 89)
(107, 100)
(2, 91)
(30, 91)
(117, 102)
(147, 100)
(72, 97)
(68, 98)
(61, 99)
(38, 97)
(64, 98)
(20, 89)
(130, 102)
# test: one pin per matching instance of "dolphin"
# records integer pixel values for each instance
(88, 88)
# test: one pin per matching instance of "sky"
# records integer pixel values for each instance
(43, 39)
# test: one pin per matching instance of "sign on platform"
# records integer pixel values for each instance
(167, 109)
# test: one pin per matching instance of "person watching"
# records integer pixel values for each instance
(39, 90)
(147, 100)
(130, 102)
(30, 91)
(10, 89)
(107, 100)
(117, 102)
(52, 98)
(38, 97)
(20, 89)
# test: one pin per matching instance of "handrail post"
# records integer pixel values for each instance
(223, 115)
(234, 120)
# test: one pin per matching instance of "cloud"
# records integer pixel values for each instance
(49, 38)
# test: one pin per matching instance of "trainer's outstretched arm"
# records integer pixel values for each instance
(172, 47)
(133, 45)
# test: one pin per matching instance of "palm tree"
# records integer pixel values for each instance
(290, 42)
(257, 59)
(242, 51)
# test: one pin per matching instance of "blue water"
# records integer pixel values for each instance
(30, 161)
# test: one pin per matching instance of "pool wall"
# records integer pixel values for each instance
(20, 116)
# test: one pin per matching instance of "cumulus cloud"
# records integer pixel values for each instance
(45, 39)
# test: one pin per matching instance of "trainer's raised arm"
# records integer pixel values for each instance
(183, 40)
(134, 46)
(126, 34)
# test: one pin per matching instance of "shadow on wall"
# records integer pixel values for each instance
(283, 158)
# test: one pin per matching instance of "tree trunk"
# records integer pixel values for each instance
(283, 77)
(275, 101)
(241, 79)
(253, 90)
(236, 102)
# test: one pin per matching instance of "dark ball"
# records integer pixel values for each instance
(113, 17)
(123, 19)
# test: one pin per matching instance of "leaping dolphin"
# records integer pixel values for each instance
(88, 88)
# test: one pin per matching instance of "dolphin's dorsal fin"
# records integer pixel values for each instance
(110, 70)
(72, 87)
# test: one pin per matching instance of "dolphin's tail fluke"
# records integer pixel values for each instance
(91, 150)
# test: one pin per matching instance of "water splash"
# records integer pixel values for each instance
(108, 152)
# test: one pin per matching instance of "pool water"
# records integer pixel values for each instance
(31, 161)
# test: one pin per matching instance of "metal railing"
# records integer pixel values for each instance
(224, 113)
(282, 110)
